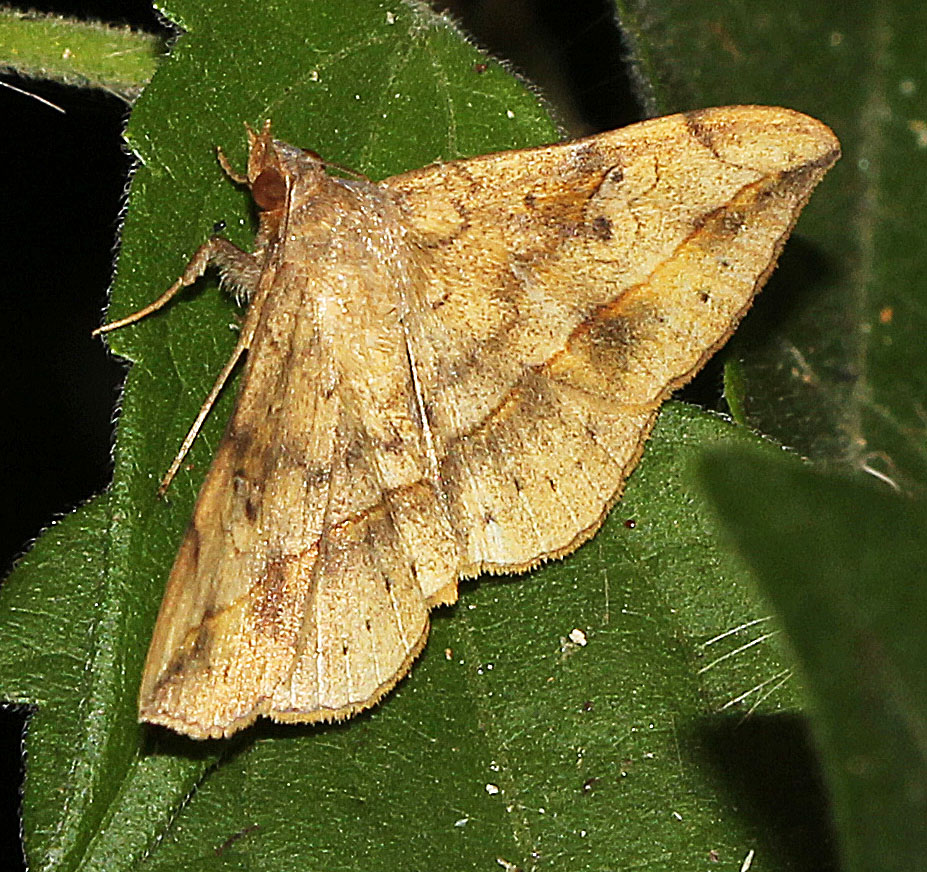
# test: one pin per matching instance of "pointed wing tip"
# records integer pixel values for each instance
(767, 138)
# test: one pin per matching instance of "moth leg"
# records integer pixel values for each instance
(244, 341)
(236, 265)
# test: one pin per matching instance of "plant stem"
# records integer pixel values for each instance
(87, 54)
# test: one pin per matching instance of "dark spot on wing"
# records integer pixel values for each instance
(733, 222)
(609, 335)
(193, 656)
(241, 439)
(191, 540)
(202, 644)
(699, 131)
(602, 228)
(317, 476)
(269, 599)
(393, 446)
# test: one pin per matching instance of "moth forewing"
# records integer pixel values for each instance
(450, 372)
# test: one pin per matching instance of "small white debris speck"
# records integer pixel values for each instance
(492, 789)
(748, 861)
(462, 822)
(509, 113)
(578, 637)
(390, 18)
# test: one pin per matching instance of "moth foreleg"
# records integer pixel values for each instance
(236, 266)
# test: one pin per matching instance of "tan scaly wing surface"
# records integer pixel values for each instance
(571, 289)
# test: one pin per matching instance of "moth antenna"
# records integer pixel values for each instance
(329, 164)
(208, 403)
(25, 93)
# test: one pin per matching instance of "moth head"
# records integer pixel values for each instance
(274, 167)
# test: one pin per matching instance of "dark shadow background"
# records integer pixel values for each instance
(768, 765)
(63, 184)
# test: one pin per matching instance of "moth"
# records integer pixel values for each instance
(449, 372)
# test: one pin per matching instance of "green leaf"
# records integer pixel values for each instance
(843, 564)
(521, 744)
(832, 360)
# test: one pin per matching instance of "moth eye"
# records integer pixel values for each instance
(269, 190)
